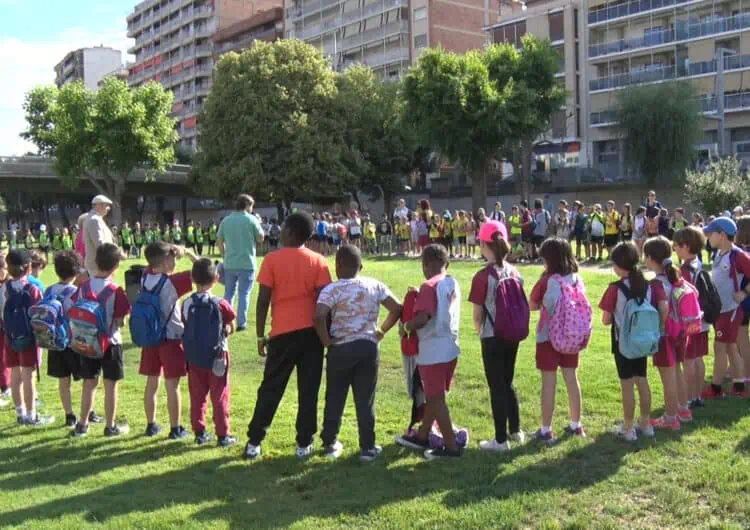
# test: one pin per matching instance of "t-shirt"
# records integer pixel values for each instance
(483, 287)
(66, 290)
(385, 228)
(295, 276)
(653, 211)
(722, 276)
(526, 218)
(355, 304)
(547, 292)
(611, 225)
(33, 280)
(238, 231)
(176, 286)
(439, 297)
(225, 310)
(34, 292)
(542, 223)
(515, 224)
(116, 308)
(95, 233)
(355, 226)
(613, 301)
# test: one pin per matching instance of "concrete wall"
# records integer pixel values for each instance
(97, 63)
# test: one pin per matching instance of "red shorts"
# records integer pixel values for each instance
(28, 359)
(728, 325)
(670, 353)
(168, 356)
(697, 346)
(548, 359)
(424, 241)
(437, 378)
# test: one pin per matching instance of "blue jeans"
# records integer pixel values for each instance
(233, 277)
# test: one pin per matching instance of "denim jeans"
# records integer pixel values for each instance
(243, 278)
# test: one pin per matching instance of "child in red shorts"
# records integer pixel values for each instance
(4, 369)
(169, 357)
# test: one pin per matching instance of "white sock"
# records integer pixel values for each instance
(21, 411)
(574, 425)
(546, 429)
(32, 414)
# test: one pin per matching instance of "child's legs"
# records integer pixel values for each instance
(87, 399)
(174, 400)
(700, 376)
(16, 386)
(339, 376)
(644, 400)
(570, 377)
(364, 384)
(110, 401)
(437, 410)
(669, 382)
(149, 397)
(682, 393)
(720, 363)
(628, 403)
(549, 385)
(220, 397)
(63, 387)
(689, 370)
(743, 345)
(29, 387)
(198, 388)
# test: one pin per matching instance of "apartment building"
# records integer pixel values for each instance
(650, 41)
(265, 25)
(89, 65)
(120, 73)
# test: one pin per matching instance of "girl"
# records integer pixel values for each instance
(632, 372)
(471, 235)
(498, 356)
(597, 224)
(404, 236)
(742, 240)
(562, 221)
(698, 223)
(558, 260)
(413, 234)
(640, 229)
(423, 232)
(626, 222)
(657, 254)
(435, 230)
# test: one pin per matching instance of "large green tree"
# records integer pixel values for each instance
(660, 125)
(102, 136)
(721, 186)
(270, 127)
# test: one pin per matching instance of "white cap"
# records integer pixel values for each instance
(738, 209)
(101, 199)
(42, 228)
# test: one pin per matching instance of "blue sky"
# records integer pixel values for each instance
(35, 35)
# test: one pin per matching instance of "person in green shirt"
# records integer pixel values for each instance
(138, 239)
(176, 233)
(149, 235)
(44, 241)
(29, 242)
(67, 240)
(166, 234)
(212, 232)
(126, 236)
(56, 240)
(13, 241)
(190, 235)
(199, 238)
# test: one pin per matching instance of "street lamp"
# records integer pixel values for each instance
(720, 54)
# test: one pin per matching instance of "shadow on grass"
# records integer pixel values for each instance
(744, 446)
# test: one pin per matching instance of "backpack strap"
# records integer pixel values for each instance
(733, 268)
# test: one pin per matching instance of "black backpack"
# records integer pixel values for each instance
(708, 296)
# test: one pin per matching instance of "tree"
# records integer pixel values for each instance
(721, 187)
(660, 124)
(272, 126)
(101, 137)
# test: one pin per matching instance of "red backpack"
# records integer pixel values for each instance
(409, 345)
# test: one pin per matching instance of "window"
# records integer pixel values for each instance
(511, 33)
(420, 41)
(420, 13)
(556, 29)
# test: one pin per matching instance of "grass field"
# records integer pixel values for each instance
(697, 478)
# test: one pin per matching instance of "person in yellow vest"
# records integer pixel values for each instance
(212, 232)
(138, 240)
(67, 240)
(459, 233)
(471, 236)
(199, 238)
(514, 226)
(126, 236)
(435, 230)
(678, 223)
(447, 230)
(627, 223)
(190, 235)
(611, 227)
(371, 235)
(57, 240)
(29, 241)
(44, 241)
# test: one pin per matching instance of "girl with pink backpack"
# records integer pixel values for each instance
(560, 295)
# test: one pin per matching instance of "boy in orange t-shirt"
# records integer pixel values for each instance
(290, 280)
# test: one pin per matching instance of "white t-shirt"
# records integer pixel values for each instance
(176, 286)
(355, 305)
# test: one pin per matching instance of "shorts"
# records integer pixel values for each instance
(627, 368)
(580, 237)
(461, 240)
(611, 240)
(321, 238)
(62, 364)
(329, 240)
(727, 326)
(697, 346)
(472, 240)
(273, 242)
(30, 358)
(168, 357)
(437, 378)
(671, 351)
(627, 236)
(424, 241)
(45, 250)
(549, 360)
(110, 366)
(537, 240)
(126, 248)
(354, 237)
(527, 237)
(597, 240)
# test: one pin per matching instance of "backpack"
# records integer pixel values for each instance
(641, 328)
(708, 296)
(18, 332)
(685, 315)
(570, 323)
(597, 227)
(89, 333)
(147, 325)
(745, 304)
(48, 320)
(203, 338)
(410, 344)
(511, 303)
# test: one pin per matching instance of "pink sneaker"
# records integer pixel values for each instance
(661, 423)
(685, 416)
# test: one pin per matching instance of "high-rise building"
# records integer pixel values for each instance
(265, 25)
(120, 73)
(89, 65)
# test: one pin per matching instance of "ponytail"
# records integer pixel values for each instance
(638, 284)
(659, 249)
(671, 271)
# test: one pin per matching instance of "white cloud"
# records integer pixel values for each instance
(25, 64)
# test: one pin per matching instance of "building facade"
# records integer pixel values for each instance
(265, 25)
(89, 65)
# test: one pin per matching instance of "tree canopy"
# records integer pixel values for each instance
(722, 186)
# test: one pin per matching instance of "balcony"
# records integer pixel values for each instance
(684, 30)
(203, 12)
(732, 102)
(375, 34)
(351, 16)
(380, 59)
(605, 117)
(632, 8)
(203, 50)
(294, 13)
(245, 42)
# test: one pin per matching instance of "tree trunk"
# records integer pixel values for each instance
(160, 210)
(479, 188)
(280, 211)
(524, 182)
(388, 202)
(184, 211)
(117, 191)
(63, 212)
(355, 196)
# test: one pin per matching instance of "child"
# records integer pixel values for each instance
(498, 355)
(57, 240)
(631, 372)
(22, 356)
(562, 220)
(213, 230)
(579, 227)
(743, 340)
(678, 223)
(126, 235)
(471, 235)
(385, 231)
(657, 253)
(596, 222)
(148, 235)
(138, 240)
(731, 266)
(626, 222)
(459, 232)
(44, 242)
(4, 369)
(352, 303)
(200, 237)
(423, 232)
(29, 242)
(640, 225)
(274, 234)
(111, 367)
(67, 240)
(190, 235)
(612, 227)
(413, 233)
(664, 222)
(436, 323)
(447, 229)
(38, 264)
(558, 260)
(371, 236)
(207, 372)
(435, 230)
(169, 356)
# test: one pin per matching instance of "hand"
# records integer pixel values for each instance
(179, 251)
(227, 330)
(380, 334)
(402, 330)
(740, 296)
(412, 289)
(262, 346)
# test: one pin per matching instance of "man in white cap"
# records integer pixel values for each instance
(95, 231)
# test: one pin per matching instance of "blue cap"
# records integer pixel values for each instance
(721, 224)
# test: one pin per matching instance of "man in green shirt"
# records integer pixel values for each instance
(138, 239)
(199, 238)
(127, 238)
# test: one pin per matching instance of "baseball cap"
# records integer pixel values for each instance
(101, 199)
(490, 228)
(721, 224)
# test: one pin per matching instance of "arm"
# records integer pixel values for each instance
(261, 312)
(220, 245)
(606, 318)
(477, 316)
(534, 305)
(419, 321)
(321, 324)
(394, 314)
(663, 308)
(259, 233)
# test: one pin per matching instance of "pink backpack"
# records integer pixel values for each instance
(685, 315)
(570, 323)
(80, 245)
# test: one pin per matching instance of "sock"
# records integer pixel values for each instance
(546, 429)
(21, 411)
(32, 414)
(717, 388)
(684, 407)
(574, 425)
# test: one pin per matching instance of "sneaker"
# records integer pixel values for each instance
(648, 432)
(152, 429)
(334, 450)
(412, 442)
(493, 446)
(546, 438)
(70, 420)
(202, 438)
(39, 421)
(178, 433)
(742, 394)
(697, 404)
(116, 430)
(20, 420)
(304, 452)
(252, 452)
(443, 452)
(226, 441)
(80, 431)
(518, 437)
(575, 432)
(369, 455)
(240, 329)
(622, 434)
(662, 423)
(685, 416)
(95, 418)
(710, 393)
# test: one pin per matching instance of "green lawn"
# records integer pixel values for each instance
(693, 479)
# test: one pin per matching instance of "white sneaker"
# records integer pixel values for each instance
(331, 451)
(518, 437)
(304, 452)
(493, 446)
(628, 436)
(648, 432)
(252, 452)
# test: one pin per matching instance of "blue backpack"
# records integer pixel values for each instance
(148, 328)
(48, 320)
(641, 327)
(89, 332)
(203, 337)
(16, 317)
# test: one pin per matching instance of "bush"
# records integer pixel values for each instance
(721, 186)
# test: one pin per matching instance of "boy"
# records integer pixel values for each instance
(169, 356)
(62, 365)
(436, 320)
(730, 267)
(38, 264)
(385, 231)
(148, 235)
(205, 375)
(352, 303)
(137, 240)
(116, 308)
(126, 235)
(44, 242)
(290, 280)
(542, 220)
(212, 232)
(16, 296)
